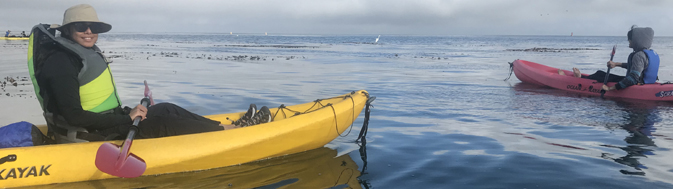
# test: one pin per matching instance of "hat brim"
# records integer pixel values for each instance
(105, 26)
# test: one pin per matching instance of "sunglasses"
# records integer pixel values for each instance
(83, 26)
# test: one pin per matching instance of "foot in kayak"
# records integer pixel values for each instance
(263, 116)
(245, 120)
(561, 72)
(251, 111)
(227, 127)
(253, 118)
(577, 72)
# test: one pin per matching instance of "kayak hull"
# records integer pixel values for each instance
(538, 74)
(317, 168)
(287, 134)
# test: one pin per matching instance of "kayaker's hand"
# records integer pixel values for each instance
(139, 110)
(606, 88)
(612, 64)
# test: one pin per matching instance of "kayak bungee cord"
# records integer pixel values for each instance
(296, 113)
(363, 132)
(336, 126)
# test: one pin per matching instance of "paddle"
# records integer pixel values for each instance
(605, 82)
(121, 162)
(148, 93)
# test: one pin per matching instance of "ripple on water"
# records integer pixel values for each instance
(445, 120)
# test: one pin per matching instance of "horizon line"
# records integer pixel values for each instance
(329, 34)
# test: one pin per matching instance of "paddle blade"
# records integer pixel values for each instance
(107, 156)
(148, 93)
(614, 48)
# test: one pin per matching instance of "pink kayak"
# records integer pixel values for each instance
(534, 73)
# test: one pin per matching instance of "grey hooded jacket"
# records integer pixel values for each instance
(641, 39)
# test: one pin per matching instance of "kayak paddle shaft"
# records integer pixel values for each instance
(607, 75)
(126, 147)
(119, 161)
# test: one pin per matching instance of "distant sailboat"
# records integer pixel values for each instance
(377, 39)
(265, 33)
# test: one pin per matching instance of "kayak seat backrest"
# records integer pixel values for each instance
(71, 132)
(42, 38)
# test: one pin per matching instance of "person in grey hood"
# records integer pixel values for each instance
(642, 65)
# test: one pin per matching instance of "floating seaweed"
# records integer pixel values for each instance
(544, 49)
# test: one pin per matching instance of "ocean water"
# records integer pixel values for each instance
(443, 118)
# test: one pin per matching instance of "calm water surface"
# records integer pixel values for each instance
(443, 117)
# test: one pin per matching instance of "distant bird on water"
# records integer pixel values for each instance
(377, 39)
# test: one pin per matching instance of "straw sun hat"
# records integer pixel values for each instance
(83, 13)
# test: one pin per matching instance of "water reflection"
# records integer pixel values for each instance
(635, 117)
(641, 117)
(362, 142)
(317, 168)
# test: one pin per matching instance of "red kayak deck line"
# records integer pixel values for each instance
(534, 73)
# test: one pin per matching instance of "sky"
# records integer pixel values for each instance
(355, 17)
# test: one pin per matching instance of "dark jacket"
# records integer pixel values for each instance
(59, 78)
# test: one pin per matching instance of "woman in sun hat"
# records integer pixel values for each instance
(78, 91)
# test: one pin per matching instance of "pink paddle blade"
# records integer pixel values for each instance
(148, 93)
(107, 156)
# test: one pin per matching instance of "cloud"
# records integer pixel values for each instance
(424, 17)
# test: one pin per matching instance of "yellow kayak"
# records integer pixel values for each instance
(316, 124)
(14, 38)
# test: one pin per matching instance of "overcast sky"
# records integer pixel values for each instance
(405, 17)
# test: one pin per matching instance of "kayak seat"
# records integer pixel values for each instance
(64, 133)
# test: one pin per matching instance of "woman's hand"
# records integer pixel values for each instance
(139, 110)
(612, 64)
